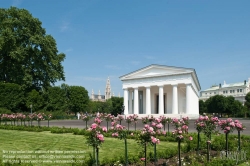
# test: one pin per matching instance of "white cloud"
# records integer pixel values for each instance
(112, 67)
(94, 79)
(150, 57)
(162, 63)
(16, 3)
(64, 27)
(135, 62)
(69, 50)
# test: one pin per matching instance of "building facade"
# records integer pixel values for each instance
(108, 94)
(237, 90)
(161, 90)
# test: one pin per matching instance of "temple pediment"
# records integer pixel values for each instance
(155, 71)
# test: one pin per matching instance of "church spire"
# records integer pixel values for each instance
(99, 95)
(108, 90)
(92, 95)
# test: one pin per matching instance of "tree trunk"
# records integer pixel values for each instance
(239, 141)
(97, 156)
(198, 143)
(155, 156)
(145, 154)
(179, 151)
(126, 152)
(226, 144)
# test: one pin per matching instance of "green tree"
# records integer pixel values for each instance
(28, 56)
(35, 99)
(216, 104)
(55, 99)
(99, 106)
(202, 107)
(238, 109)
(246, 111)
(78, 99)
(247, 102)
(93, 106)
(117, 105)
(11, 97)
(107, 106)
(230, 105)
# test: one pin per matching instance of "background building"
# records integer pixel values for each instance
(106, 96)
(237, 90)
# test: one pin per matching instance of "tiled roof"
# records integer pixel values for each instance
(226, 86)
(212, 88)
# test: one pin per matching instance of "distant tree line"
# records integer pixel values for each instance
(63, 98)
(222, 105)
(114, 106)
(60, 100)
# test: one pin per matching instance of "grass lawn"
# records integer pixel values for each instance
(11, 140)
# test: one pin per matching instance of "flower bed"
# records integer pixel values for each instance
(210, 149)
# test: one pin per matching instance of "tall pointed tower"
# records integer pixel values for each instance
(108, 90)
(92, 95)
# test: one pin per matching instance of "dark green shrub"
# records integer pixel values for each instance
(219, 142)
(4, 111)
(221, 162)
(11, 96)
(168, 153)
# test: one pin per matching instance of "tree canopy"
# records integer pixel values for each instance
(202, 107)
(28, 56)
(247, 102)
(216, 104)
(222, 105)
(78, 99)
(55, 99)
(11, 96)
(117, 105)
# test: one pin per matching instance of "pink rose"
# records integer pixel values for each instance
(158, 120)
(159, 126)
(151, 129)
(113, 123)
(100, 137)
(232, 124)
(104, 129)
(236, 121)
(94, 125)
(229, 120)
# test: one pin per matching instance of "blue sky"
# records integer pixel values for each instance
(110, 38)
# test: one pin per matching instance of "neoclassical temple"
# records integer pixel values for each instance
(161, 90)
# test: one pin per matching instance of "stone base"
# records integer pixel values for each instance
(178, 116)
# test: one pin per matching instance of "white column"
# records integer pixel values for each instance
(136, 102)
(175, 100)
(161, 102)
(148, 101)
(188, 98)
(130, 107)
(125, 101)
